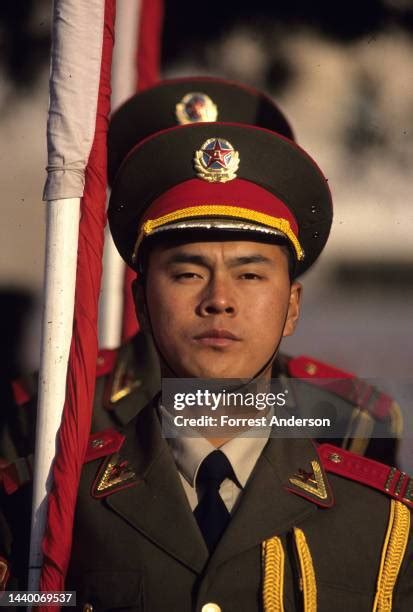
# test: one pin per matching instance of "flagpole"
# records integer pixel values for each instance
(60, 278)
(74, 86)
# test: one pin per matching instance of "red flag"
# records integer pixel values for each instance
(74, 431)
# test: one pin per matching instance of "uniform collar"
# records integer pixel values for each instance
(241, 451)
(271, 505)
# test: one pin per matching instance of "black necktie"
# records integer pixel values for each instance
(211, 513)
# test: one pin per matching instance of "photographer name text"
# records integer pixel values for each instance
(261, 421)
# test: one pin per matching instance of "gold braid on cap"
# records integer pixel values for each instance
(392, 555)
(217, 210)
(273, 569)
(308, 586)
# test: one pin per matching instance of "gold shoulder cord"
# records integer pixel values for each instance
(273, 566)
(392, 555)
(309, 585)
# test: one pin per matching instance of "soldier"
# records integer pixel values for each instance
(372, 421)
(134, 368)
(127, 379)
(219, 220)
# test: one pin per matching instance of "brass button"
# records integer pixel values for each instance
(88, 607)
(98, 443)
(211, 607)
(335, 458)
(310, 368)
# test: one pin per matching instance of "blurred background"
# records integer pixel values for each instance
(342, 73)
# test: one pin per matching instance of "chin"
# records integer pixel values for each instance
(216, 371)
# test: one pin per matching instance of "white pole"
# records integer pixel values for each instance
(77, 35)
(124, 77)
(60, 280)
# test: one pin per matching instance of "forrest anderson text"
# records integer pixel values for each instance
(262, 421)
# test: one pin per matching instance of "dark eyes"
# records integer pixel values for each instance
(250, 276)
(186, 275)
(195, 275)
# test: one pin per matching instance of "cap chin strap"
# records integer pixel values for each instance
(251, 380)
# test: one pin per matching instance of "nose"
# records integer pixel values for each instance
(218, 299)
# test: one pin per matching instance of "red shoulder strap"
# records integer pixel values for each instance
(15, 474)
(308, 367)
(388, 480)
(344, 384)
(21, 392)
(103, 443)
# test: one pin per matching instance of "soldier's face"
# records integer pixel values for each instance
(220, 309)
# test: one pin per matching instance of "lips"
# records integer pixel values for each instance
(217, 337)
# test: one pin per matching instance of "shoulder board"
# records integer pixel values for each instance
(388, 480)
(4, 573)
(15, 474)
(344, 384)
(106, 361)
(24, 387)
(103, 443)
(22, 390)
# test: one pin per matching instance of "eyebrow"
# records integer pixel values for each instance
(249, 259)
(233, 262)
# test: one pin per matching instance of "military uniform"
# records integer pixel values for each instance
(307, 539)
(299, 538)
(126, 381)
(144, 549)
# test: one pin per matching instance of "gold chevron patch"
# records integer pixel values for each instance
(114, 474)
(311, 482)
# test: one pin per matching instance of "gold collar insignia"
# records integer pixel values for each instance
(311, 482)
(114, 474)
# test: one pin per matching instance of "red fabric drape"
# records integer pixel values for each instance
(75, 428)
(148, 59)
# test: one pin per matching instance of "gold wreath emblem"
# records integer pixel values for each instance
(218, 163)
(196, 107)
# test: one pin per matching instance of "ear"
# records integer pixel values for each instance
(293, 313)
(138, 290)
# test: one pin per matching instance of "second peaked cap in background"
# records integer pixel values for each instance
(188, 100)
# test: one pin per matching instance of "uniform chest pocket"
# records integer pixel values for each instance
(109, 591)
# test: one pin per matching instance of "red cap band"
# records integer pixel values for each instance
(239, 199)
(238, 192)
